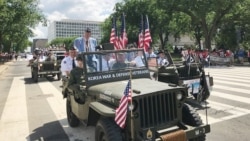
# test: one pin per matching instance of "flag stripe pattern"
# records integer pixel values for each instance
(123, 35)
(147, 35)
(141, 40)
(121, 111)
(113, 35)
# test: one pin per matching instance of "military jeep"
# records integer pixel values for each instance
(157, 111)
(44, 68)
(189, 73)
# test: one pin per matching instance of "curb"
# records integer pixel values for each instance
(3, 68)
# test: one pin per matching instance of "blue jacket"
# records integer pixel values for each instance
(79, 44)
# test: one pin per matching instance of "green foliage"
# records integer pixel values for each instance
(162, 21)
(209, 14)
(16, 19)
(68, 42)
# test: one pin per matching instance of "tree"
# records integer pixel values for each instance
(67, 42)
(208, 14)
(16, 19)
(234, 30)
(161, 21)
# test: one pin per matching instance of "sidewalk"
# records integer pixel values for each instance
(245, 64)
(4, 66)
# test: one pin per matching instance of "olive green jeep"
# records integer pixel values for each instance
(157, 111)
(185, 73)
(43, 68)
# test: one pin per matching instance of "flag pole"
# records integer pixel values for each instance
(124, 28)
(131, 110)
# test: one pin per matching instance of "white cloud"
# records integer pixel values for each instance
(94, 10)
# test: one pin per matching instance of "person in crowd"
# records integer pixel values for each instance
(248, 56)
(120, 62)
(150, 53)
(228, 53)
(162, 60)
(106, 66)
(241, 54)
(50, 57)
(67, 64)
(85, 43)
(139, 59)
(41, 57)
(206, 57)
(76, 78)
(16, 56)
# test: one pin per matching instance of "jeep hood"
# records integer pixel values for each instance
(116, 89)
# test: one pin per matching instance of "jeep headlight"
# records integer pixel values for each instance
(40, 65)
(54, 64)
(179, 96)
(131, 107)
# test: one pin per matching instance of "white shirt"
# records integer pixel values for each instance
(163, 62)
(66, 65)
(139, 61)
(42, 58)
(150, 54)
(105, 65)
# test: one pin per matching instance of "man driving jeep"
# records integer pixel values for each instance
(120, 62)
(76, 79)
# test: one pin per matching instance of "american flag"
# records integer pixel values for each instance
(147, 36)
(121, 111)
(123, 35)
(113, 35)
(140, 38)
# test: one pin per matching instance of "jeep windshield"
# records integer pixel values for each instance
(114, 65)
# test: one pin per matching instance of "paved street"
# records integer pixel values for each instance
(36, 111)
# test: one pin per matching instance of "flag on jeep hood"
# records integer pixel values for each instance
(121, 111)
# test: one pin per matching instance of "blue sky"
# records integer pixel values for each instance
(93, 10)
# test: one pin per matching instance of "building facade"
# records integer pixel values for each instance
(39, 43)
(73, 28)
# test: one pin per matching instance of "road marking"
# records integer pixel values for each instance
(231, 97)
(232, 76)
(232, 83)
(229, 79)
(58, 106)
(209, 119)
(227, 108)
(234, 112)
(233, 89)
(14, 120)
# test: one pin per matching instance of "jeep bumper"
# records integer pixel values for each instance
(194, 132)
(49, 72)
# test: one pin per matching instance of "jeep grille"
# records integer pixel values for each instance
(183, 72)
(157, 110)
(48, 67)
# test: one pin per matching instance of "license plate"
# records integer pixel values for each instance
(193, 85)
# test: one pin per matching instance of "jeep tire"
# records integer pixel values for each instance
(32, 75)
(191, 117)
(107, 130)
(72, 119)
(35, 76)
(58, 76)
